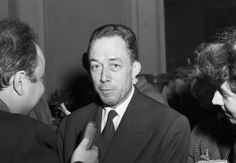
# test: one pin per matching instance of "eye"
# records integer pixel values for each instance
(115, 67)
(95, 67)
(223, 93)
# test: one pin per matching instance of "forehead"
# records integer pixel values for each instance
(110, 47)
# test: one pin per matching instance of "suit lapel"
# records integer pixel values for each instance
(97, 118)
(131, 135)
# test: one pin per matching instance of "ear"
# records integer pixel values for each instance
(18, 82)
(136, 68)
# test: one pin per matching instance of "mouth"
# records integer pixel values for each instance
(228, 115)
(106, 91)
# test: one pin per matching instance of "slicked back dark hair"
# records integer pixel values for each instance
(122, 31)
(17, 51)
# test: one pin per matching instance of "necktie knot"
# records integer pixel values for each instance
(110, 117)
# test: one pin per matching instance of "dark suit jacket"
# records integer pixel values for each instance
(25, 140)
(148, 132)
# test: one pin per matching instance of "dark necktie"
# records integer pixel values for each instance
(107, 133)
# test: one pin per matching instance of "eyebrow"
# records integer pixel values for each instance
(90, 60)
(223, 92)
(112, 59)
(115, 59)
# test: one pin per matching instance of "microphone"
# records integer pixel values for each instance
(90, 132)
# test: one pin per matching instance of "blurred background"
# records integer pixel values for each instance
(168, 31)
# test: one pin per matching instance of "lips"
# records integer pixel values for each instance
(106, 91)
(228, 115)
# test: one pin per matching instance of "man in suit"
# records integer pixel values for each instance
(22, 65)
(141, 129)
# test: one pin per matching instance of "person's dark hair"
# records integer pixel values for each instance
(212, 61)
(17, 50)
(85, 61)
(231, 47)
(122, 31)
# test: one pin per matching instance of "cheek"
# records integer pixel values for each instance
(95, 82)
(95, 76)
(127, 77)
(124, 80)
(42, 88)
(95, 79)
(230, 105)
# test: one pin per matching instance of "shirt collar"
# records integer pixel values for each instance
(121, 108)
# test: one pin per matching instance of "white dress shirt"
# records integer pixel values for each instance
(120, 110)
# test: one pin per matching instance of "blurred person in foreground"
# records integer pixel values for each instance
(140, 128)
(42, 112)
(22, 66)
(214, 138)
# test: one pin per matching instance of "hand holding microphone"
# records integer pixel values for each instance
(85, 152)
(90, 133)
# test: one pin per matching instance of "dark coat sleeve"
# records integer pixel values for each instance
(38, 148)
(175, 145)
(30, 141)
(60, 140)
(68, 138)
(70, 132)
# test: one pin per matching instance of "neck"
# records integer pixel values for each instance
(11, 101)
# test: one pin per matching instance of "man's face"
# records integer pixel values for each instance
(34, 90)
(111, 69)
(227, 100)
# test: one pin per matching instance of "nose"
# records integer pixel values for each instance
(105, 75)
(217, 99)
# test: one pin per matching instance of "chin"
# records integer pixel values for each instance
(109, 102)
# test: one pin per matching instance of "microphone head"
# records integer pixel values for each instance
(90, 133)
